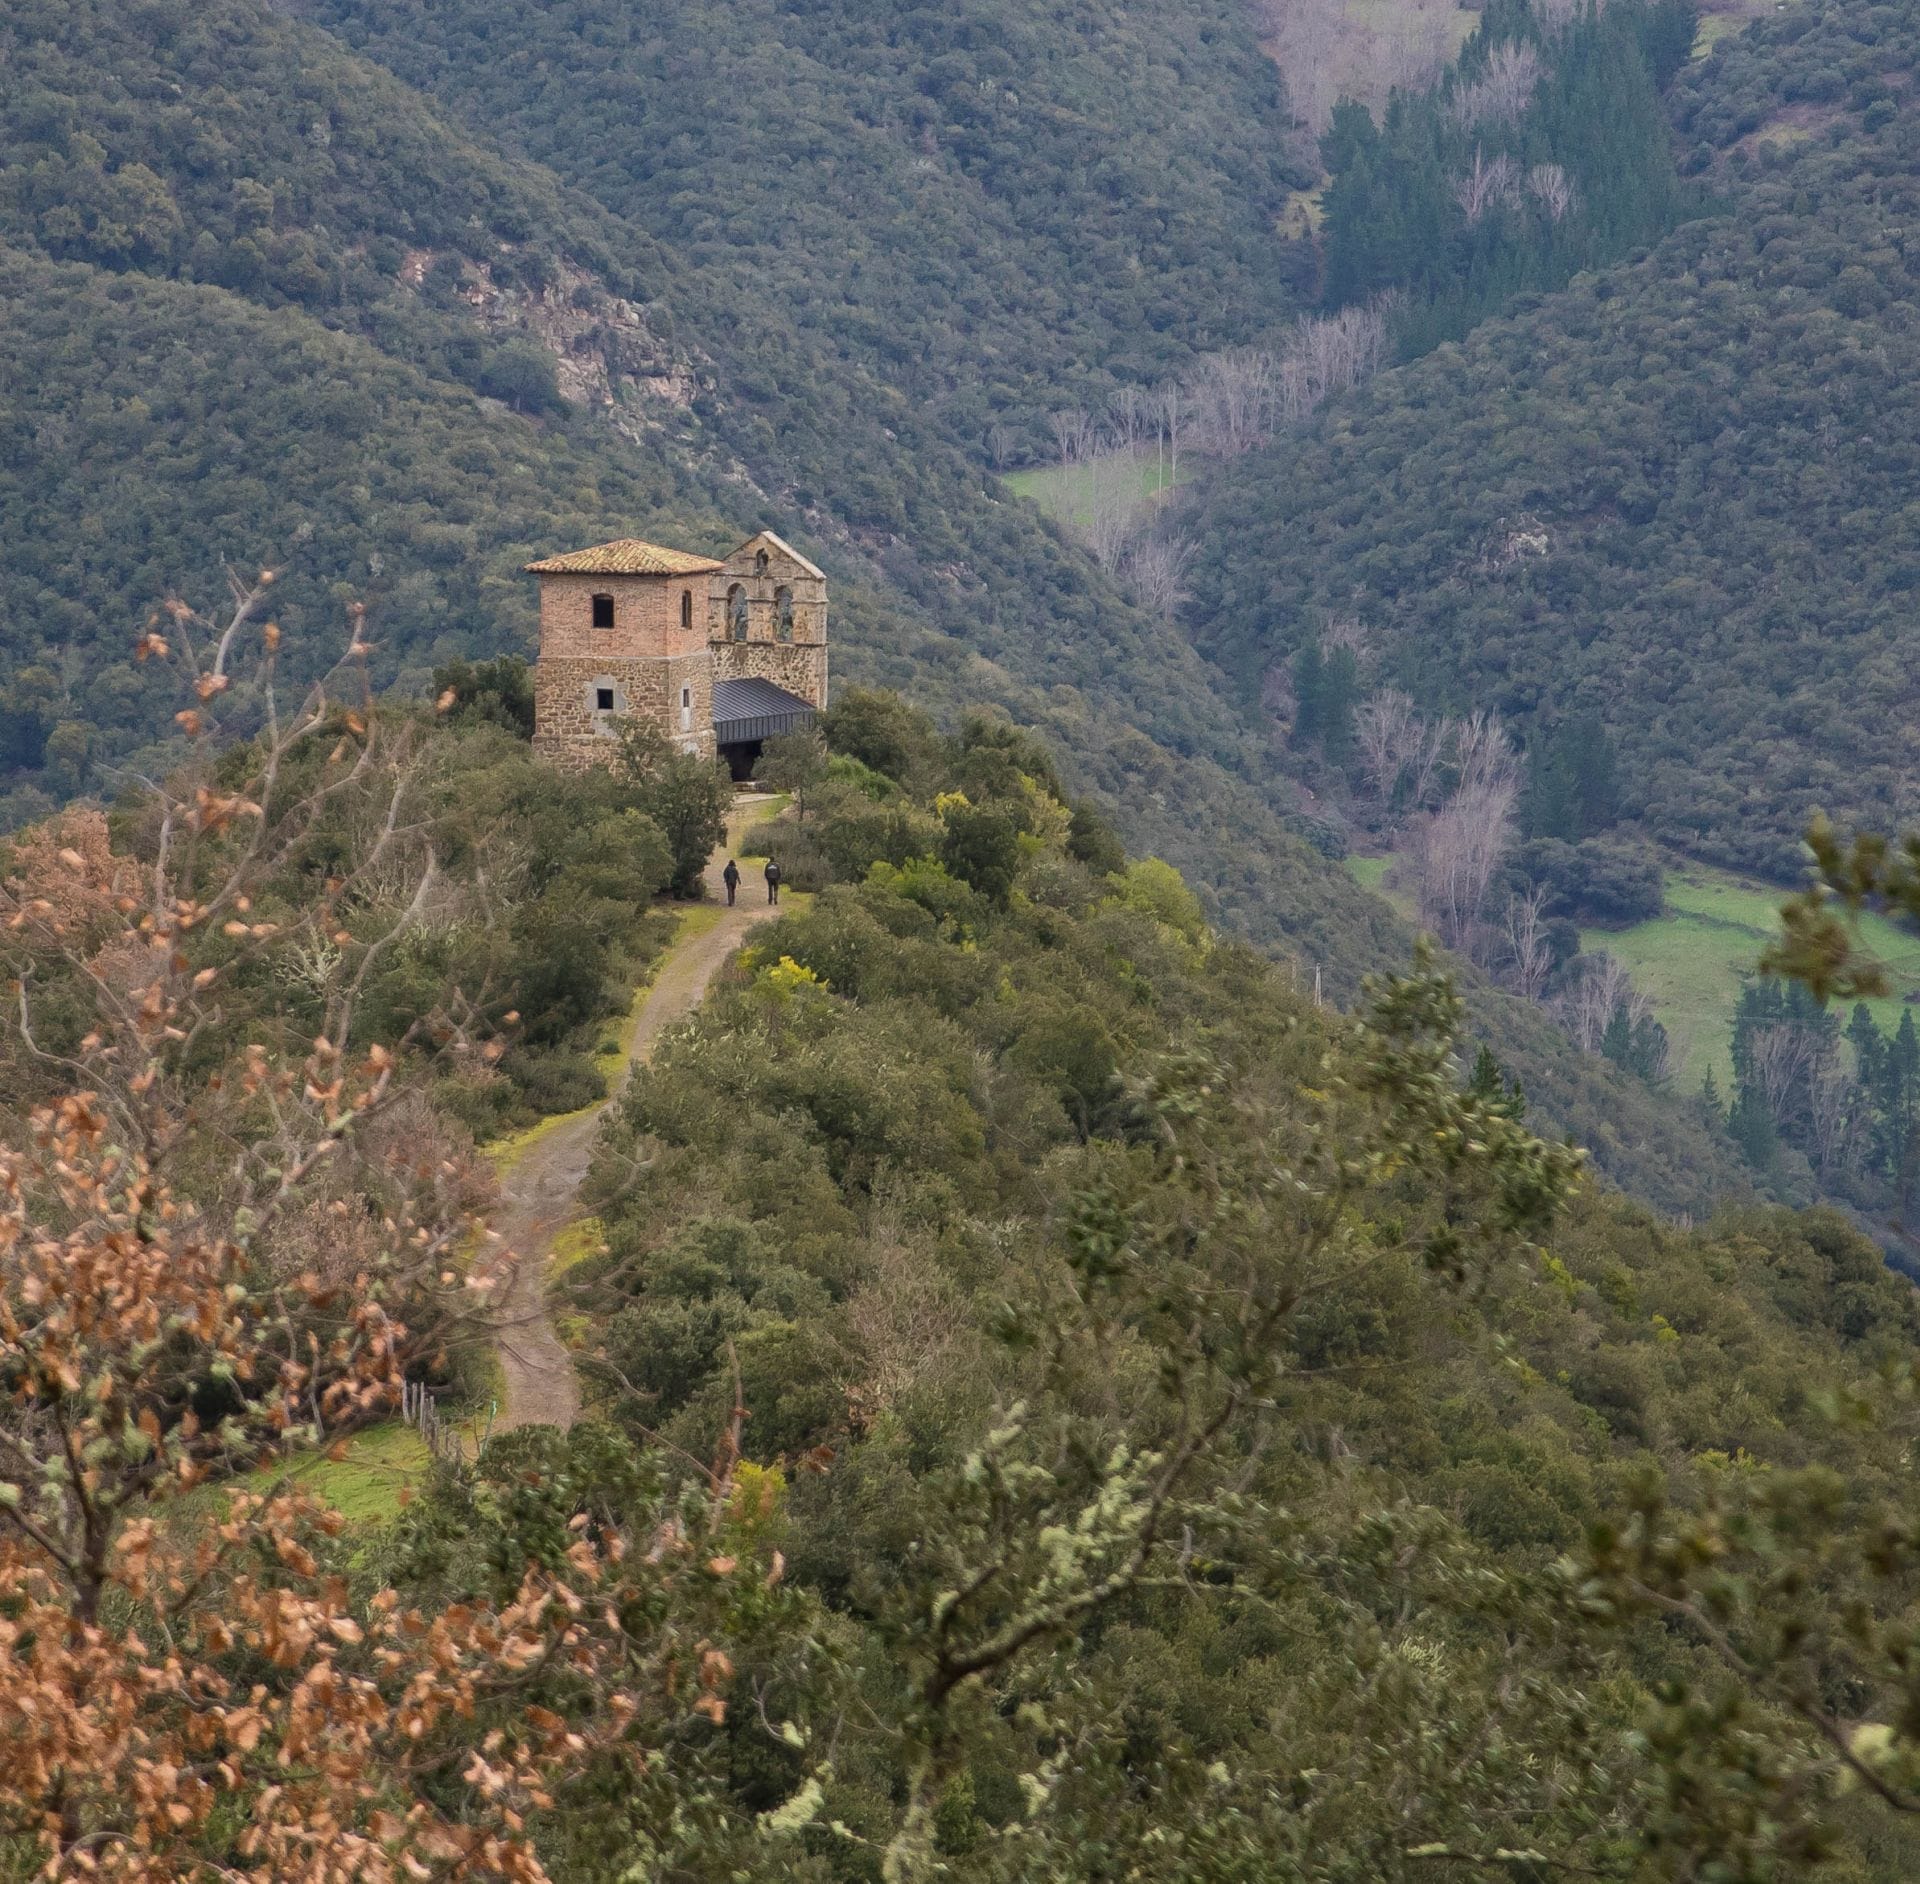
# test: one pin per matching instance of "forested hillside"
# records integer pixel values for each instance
(982, 211)
(278, 309)
(1672, 499)
(1062, 1402)
(539, 389)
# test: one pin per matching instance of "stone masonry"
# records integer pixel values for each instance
(785, 599)
(629, 630)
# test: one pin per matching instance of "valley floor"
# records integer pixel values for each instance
(1692, 959)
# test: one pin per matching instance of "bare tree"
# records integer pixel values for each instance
(1424, 758)
(1588, 1007)
(1173, 418)
(1552, 189)
(1502, 92)
(1785, 1063)
(1231, 395)
(1487, 185)
(1483, 755)
(1384, 729)
(1072, 436)
(1328, 55)
(1000, 443)
(1348, 632)
(1529, 956)
(1837, 1111)
(1113, 506)
(1456, 851)
(1326, 355)
(1158, 565)
(1553, 17)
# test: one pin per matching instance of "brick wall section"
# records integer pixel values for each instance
(646, 616)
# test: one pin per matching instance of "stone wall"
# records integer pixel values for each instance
(801, 670)
(646, 616)
(784, 574)
(690, 728)
(573, 733)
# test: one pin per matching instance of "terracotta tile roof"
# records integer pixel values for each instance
(626, 556)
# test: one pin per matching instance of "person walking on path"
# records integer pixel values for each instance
(773, 879)
(730, 876)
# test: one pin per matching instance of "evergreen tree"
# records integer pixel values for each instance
(1750, 1123)
(1617, 1042)
(1339, 694)
(1494, 1086)
(1904, 1090)
(1309, 688)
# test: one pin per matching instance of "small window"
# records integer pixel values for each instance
(603, 611)
(686, 608)
(603, 699)
(686, 709)
(783, 614)
(760, 563)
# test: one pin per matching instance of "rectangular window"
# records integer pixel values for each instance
(686, 709)
(603, 699)
(603, 611)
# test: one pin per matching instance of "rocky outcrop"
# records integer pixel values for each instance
(605, 354)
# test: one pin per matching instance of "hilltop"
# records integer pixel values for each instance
(1051, 1393)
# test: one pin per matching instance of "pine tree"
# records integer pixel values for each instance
(1751, 1127)
(1905, 1092)
(1339, 694)
(1308, 692)
(1617, 1042)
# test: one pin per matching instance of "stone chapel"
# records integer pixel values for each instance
(721, 656)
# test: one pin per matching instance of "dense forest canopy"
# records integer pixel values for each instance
(278, 309)
(1543, 151)
(977, 208)
(1062, 1395)
(1672, 498)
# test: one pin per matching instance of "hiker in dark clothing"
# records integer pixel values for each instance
(730, 876)
(773, 880)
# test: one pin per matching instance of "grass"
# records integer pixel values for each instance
(1066, 491)
(1721, 18)
(1692, 958)
(366, 1486)
(583, 1237)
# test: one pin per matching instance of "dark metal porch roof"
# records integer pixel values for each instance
(745, 710)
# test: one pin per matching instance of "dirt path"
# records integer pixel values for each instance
(539, 1191)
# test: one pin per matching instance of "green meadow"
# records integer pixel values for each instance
(1691, 959)
(1066, 491)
